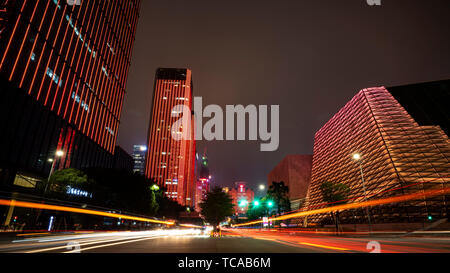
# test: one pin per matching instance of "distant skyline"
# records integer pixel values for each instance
(309, 57)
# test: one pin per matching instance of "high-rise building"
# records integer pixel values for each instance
(203, 181)
(63, 73)
(396, 142)
(123, 160)
(139, 152)
(295, 172)
(171, 160)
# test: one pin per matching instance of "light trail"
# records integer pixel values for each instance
(111, 240)
(81, 211)
(113, 244)
(324, 246)
(395, 199)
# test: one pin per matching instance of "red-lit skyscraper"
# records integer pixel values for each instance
(171, 161)
(63, 71)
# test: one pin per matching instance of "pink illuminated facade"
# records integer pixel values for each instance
(398, 156)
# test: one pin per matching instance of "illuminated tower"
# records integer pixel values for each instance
(139, 152)
(170, 161)
(203, 181)
(63, 72)
(375, 137)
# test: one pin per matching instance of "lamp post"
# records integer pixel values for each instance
(357, 158)
(58, 154)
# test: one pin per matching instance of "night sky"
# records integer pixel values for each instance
(309, 57)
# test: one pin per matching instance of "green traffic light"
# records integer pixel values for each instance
(243, 203)
(256, 203)
(270, 204)
(430, 217)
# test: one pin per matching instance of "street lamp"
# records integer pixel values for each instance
(58, 154)
(357, 158)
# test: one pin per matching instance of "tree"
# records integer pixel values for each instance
(216, 207)
(123, 190)
(62, 179)
(334, 194)
(279, 193)
(167, 207)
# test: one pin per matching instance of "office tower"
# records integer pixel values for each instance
(374, 137)
(123, 160)
(171, 161)
(63, 74)
(203, 181)
(139, 152)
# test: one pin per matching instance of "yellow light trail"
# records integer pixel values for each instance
(81, 211)
(395, 199)
(324, 246)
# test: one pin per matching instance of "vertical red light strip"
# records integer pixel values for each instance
(90, 68)
(34, 45)
(84, 47)
(105, 92)
(64, 66)
(69, 70)
(93, 75)
(77, 72)
(12, 35)
(99, 73)
(57, 60)
(23, 42)
(40, 57)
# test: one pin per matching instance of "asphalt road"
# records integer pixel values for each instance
(233, 241)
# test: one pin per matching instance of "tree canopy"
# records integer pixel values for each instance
(216, 207)
(334, 193)
(278, 192)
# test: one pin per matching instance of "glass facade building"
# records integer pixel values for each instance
(63, 72)
(399, 154)
(139, 152)
(169, 161)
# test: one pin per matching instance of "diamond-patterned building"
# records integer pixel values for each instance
(399, 156)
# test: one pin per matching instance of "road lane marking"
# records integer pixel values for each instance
(82, 244)
(113, 244)
(324, 246)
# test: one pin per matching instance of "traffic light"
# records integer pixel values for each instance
(15, 219)
(270, 204)
(430, 217)
(256, 203)
(243, 203)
